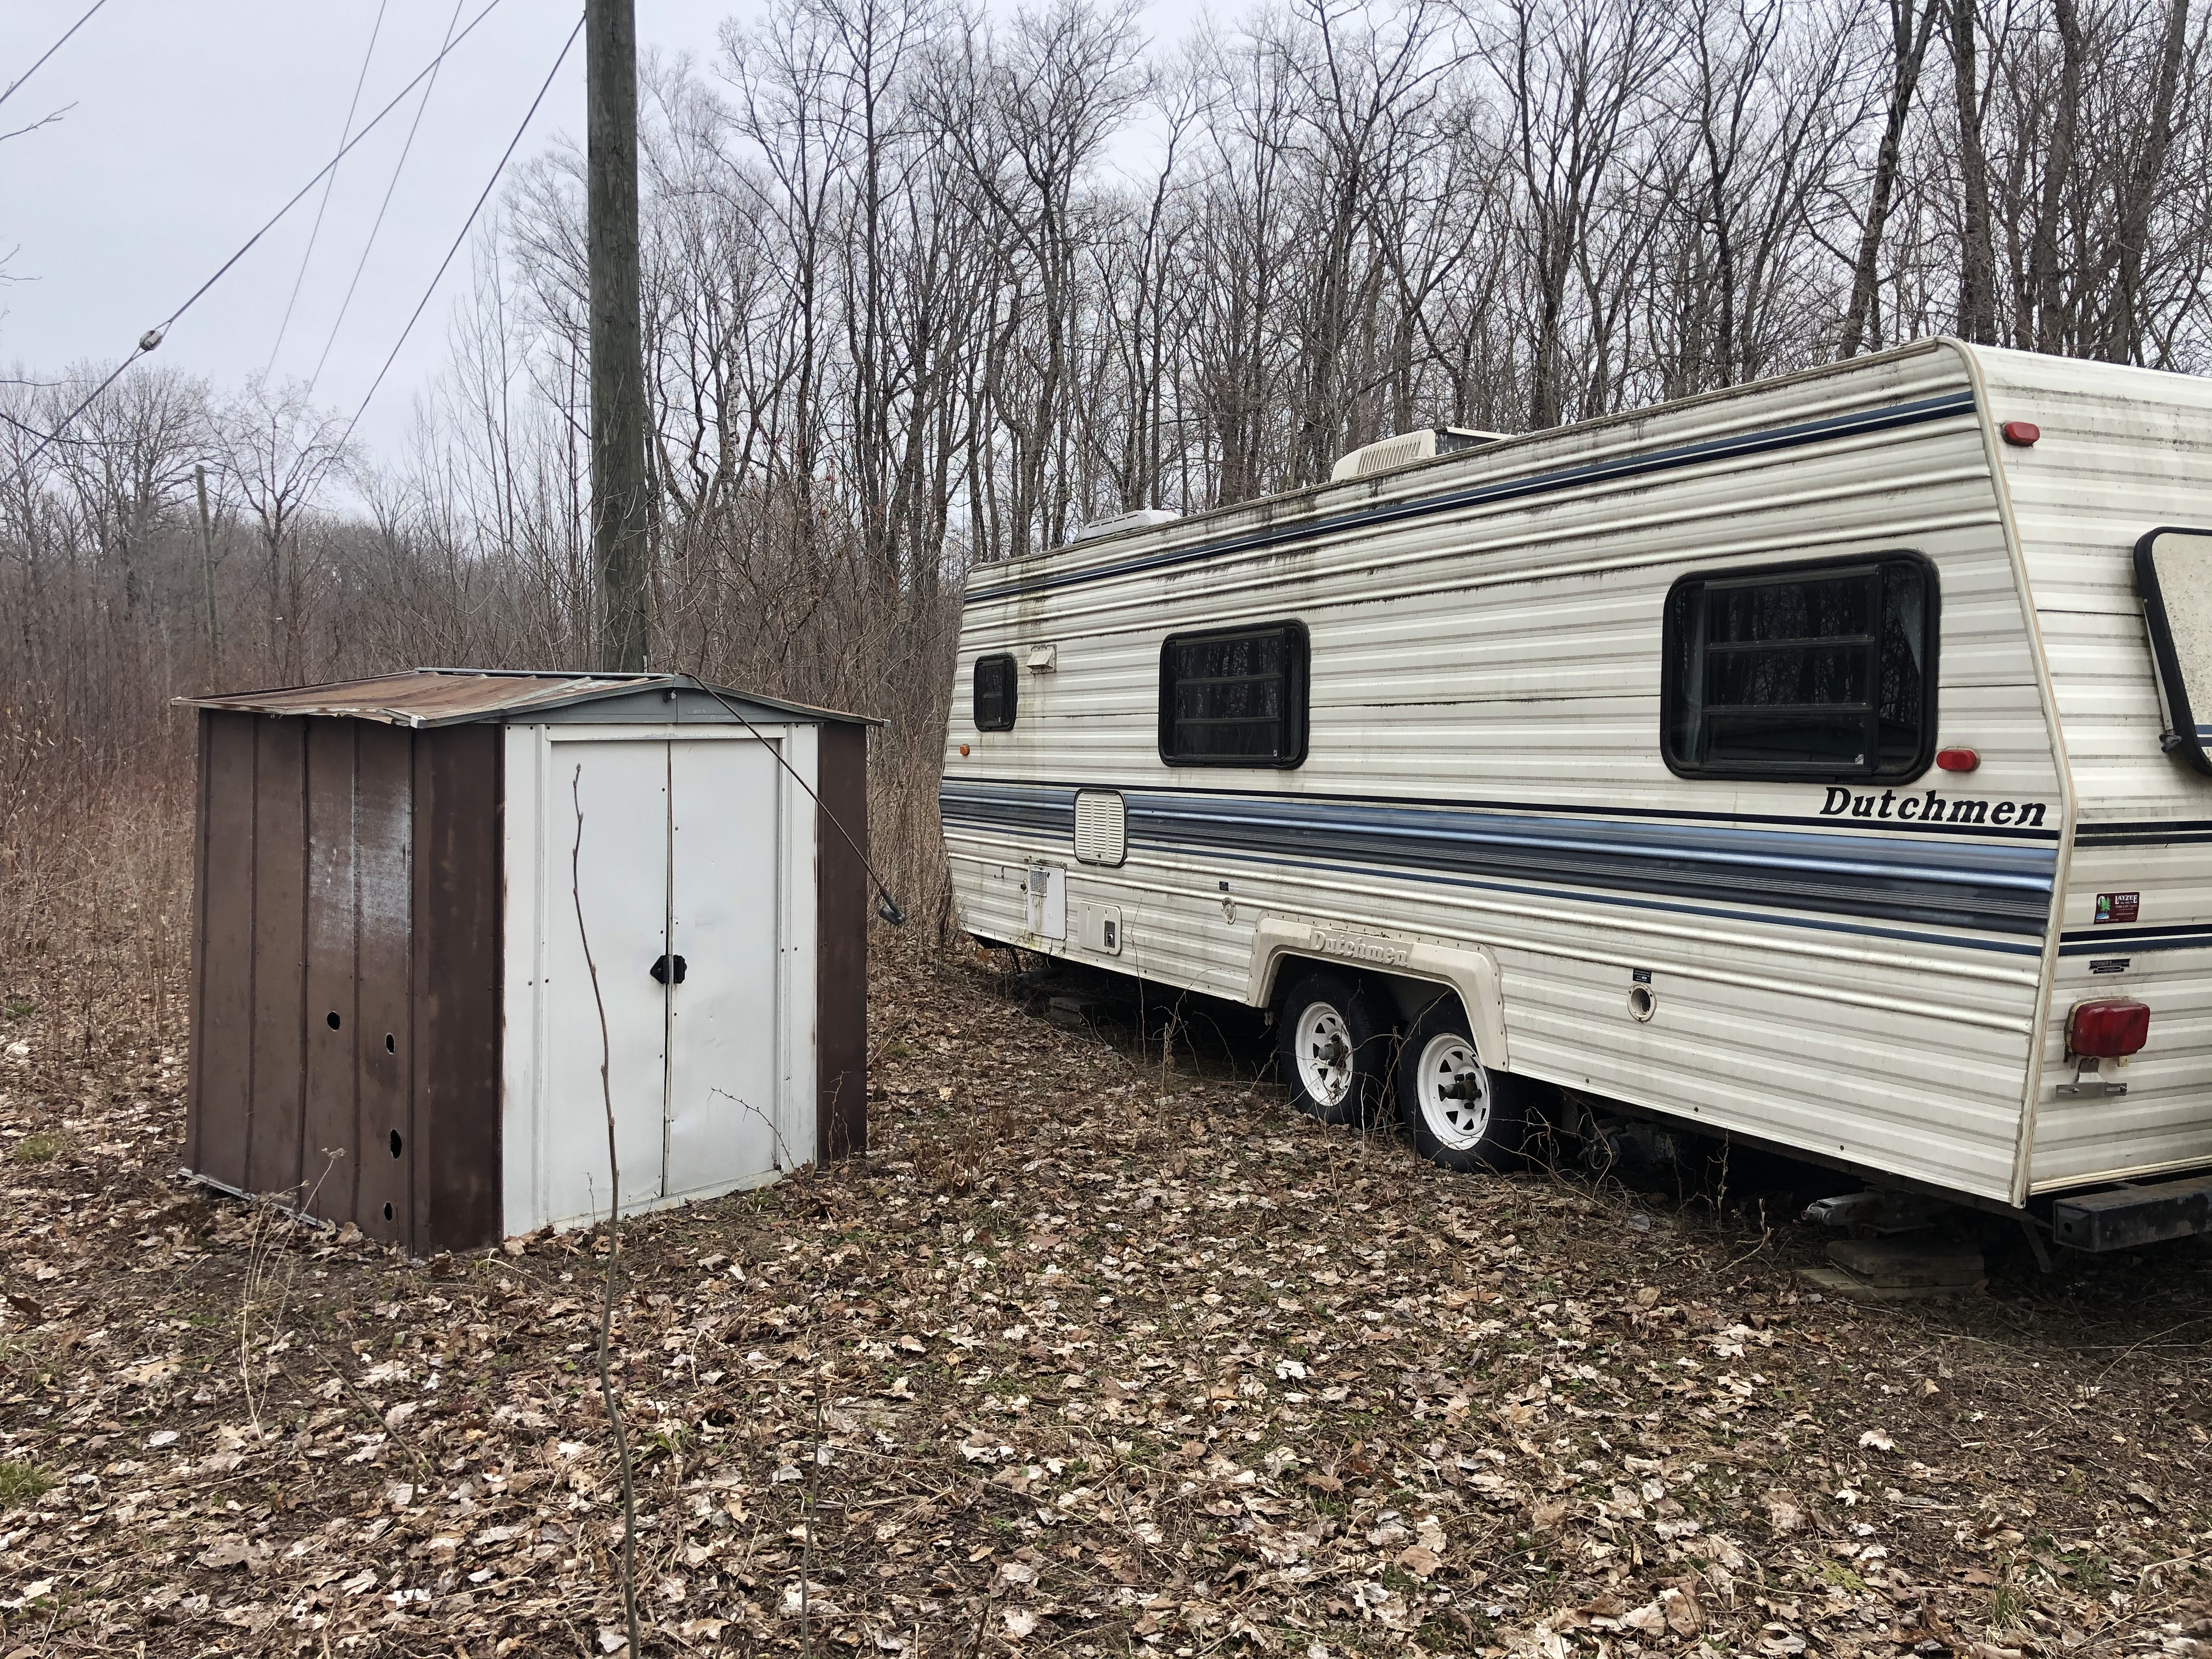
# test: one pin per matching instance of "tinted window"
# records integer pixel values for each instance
(1234, 697)
(1824, 671)
(996, 691)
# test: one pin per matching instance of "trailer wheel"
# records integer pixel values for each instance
(1332, 1053)
(1455, 1109)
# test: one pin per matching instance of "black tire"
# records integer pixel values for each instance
(1334, 1016)
(1480, 1130)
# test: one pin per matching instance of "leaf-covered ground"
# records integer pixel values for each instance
(1088, 1356)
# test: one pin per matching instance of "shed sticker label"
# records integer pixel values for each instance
(2117, 907)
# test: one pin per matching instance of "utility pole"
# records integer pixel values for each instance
(618, 487)
(207, 574)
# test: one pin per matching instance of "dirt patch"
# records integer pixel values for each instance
(1105, 1358)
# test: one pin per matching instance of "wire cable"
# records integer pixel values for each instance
(420, 305)
(49, 51)
(397, 168)
(889, 909)
(331, 183)
(153, 336)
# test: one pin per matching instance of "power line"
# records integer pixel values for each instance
(49, 51)
(505, 157)
(361, 265)
(331, 183)
(153, 336)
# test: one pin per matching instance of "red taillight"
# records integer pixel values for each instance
(2021, 433)
(2108, 1028)
(1957, 760)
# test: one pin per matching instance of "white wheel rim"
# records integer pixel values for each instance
(1322, 1043)
(1448, 1063)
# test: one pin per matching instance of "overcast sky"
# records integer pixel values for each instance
(182, 127)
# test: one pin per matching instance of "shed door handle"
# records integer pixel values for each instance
(667, 974)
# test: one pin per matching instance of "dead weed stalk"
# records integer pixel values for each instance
(615, 1423)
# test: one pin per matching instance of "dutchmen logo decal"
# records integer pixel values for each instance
(1930, 807)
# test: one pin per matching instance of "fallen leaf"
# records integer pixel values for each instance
(1020, 1622)
(234, 1550)
(1421, 1562)
(1647, 1620)
(1781, 1511)
(1877, 1440)
(1684, 1616)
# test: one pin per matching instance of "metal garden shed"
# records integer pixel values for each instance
(394, 1019)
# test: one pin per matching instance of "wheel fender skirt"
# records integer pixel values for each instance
(1469, 969)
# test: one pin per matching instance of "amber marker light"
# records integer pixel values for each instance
(963, 748)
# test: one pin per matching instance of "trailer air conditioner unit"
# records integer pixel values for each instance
(1143, 519)
(1408, 447)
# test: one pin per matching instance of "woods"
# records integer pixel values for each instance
(925, 290)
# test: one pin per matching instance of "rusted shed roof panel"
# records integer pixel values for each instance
(449, 696)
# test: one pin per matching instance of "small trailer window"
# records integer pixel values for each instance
(2173, 574)
(996, 691)
(1234, 697)
(1810, 671)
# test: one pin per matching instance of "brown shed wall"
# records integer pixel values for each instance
(840, 982)
(345, 1009)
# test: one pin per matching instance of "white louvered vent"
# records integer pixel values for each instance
(1102, 830)
(1382, 457)
(1408, 447)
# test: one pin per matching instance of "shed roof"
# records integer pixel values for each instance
(456, 697)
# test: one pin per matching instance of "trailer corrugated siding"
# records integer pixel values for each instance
(2123, 451)
(1491, 676)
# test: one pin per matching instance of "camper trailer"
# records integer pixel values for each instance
(1820, 763)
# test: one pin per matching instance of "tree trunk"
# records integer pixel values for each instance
(1978, 259)
(2124, 337)
(1908, 32)
(2042, 263)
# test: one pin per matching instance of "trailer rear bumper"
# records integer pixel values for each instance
(2122, 1217)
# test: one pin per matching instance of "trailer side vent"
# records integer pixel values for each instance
(1101, 832)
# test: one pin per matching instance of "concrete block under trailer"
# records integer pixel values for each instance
(1822, 763)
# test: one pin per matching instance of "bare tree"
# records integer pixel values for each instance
(278, 451)
(1912, 24)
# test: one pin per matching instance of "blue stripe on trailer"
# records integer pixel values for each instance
(1980, 886)
(2106, 941)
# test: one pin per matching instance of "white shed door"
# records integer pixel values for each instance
(621, 879)
(723, 1126)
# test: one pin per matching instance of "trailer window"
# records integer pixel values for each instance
(2173, 574)
(1807, 672)
(1234, 697)
(997, 692)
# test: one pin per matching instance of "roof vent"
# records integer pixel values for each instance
(1143, 519)
(1407, 448)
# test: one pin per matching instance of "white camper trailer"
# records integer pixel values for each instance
(1821, 762)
